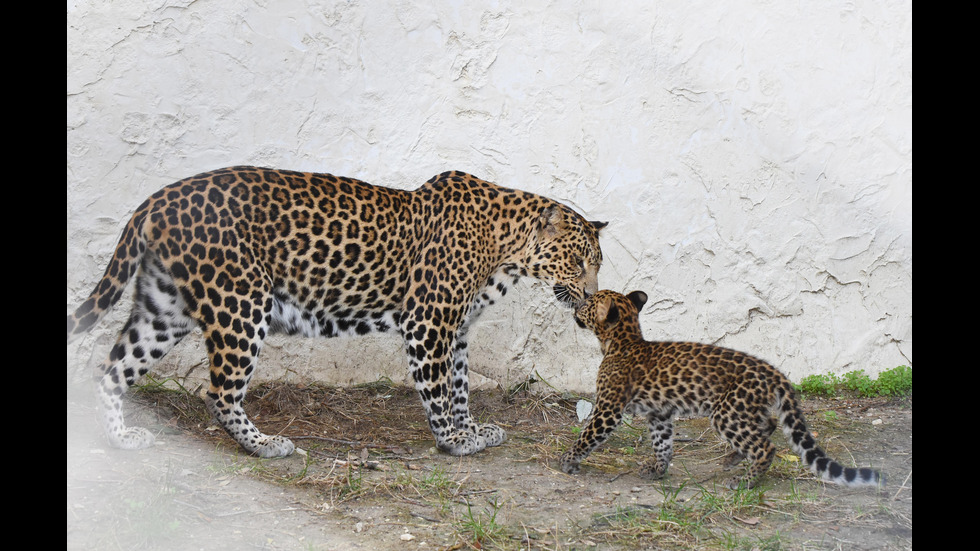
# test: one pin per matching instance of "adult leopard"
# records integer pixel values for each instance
(245, 252)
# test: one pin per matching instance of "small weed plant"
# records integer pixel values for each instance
(438, 483)
(352, 484)
(893, 383)
(819, 384)
(859, 383)
(481, 528)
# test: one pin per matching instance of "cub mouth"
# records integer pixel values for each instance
(578, 312)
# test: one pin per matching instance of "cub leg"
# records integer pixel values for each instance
(732, 460)
(661, 430)
(750, 440)
(607, 416)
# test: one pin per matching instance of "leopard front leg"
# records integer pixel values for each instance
(600, 426)
(460, 392)
(430, 363)
(231, 371)
(610, 403)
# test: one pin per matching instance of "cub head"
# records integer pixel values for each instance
(565, 253)
(608, 313)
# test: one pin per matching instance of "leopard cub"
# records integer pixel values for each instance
(660, 380)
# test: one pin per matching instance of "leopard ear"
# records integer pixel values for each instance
(551, 220)
(607, 314)
(598, 225)
(638, 298)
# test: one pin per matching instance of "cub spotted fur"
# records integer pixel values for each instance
(245, 252)
(660, 380)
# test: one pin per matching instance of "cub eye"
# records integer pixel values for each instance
(581, 266)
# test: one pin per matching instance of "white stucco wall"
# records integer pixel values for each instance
(754, 157)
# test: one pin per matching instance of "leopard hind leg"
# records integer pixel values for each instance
(732, 460)
(157, 322)
(749, 434)
(660, 427)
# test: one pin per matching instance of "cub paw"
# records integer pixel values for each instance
(132, 438)
(740, 483)
(273, 446)
(493, 434)
(654, 470)
(568, 464)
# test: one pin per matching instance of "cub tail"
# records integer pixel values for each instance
(794, 427)
(125, 261)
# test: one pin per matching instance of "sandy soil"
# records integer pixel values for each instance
(370, 479)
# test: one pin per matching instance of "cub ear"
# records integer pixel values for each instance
(607, 314)
(598, 225)
(638, 298)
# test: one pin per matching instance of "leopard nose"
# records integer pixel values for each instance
(591, 288)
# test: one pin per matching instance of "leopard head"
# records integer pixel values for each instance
(611, 315)
(565, 253)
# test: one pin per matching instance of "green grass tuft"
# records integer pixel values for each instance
(895, 383)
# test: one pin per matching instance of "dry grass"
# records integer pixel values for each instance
(370, 444)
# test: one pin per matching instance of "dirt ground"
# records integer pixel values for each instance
(369, 478)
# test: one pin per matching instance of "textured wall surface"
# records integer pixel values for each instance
(754, 158)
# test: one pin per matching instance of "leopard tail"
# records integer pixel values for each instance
(794, 427)
(125, 261)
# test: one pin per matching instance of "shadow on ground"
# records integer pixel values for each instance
(368, 478)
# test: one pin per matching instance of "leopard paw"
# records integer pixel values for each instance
(653, 470)
(493, 434)
(740, 483)
(131, 438)
(272, 446)
(462, 443)
(568, 464)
